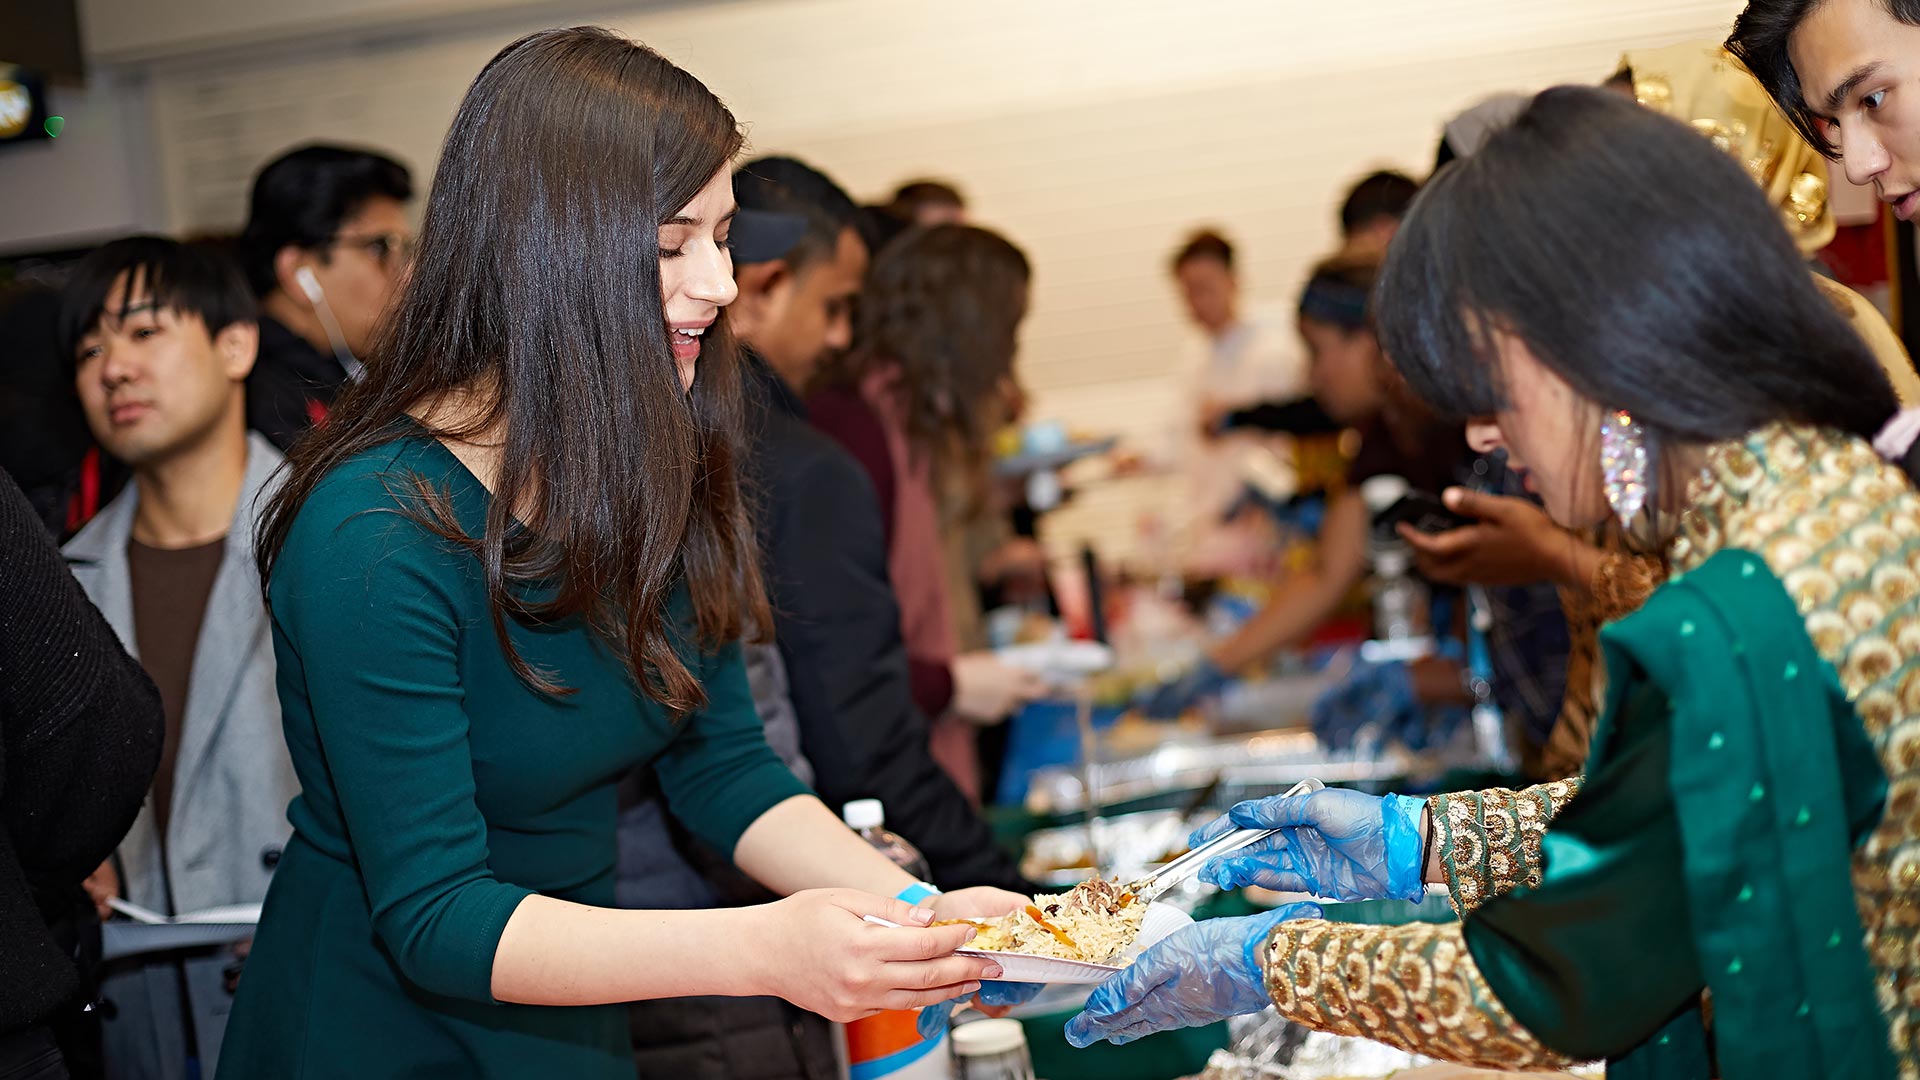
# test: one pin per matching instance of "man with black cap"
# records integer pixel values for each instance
(837, 668)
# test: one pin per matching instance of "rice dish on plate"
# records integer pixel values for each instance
(1094, 922)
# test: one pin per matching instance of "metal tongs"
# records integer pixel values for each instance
(1155, 885)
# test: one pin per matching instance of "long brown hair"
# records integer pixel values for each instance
(537, 281)
(945, 304)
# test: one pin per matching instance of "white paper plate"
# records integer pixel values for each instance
(1161, 922)
(1060, 661)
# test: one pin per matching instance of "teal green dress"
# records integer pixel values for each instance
(438, 791)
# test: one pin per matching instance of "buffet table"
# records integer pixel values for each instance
(1147, 785)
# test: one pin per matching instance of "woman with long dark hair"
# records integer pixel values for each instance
(1620, 308)
(927, 381)
(514, 565)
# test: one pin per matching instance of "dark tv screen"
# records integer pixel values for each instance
(43, 36)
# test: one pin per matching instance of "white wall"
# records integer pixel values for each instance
(98, 179)
(125, 31)
(1094, 132)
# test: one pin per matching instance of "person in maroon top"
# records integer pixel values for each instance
(917, 400)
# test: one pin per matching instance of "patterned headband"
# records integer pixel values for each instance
(1335, 303)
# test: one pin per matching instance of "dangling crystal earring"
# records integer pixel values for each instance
(1623, 463)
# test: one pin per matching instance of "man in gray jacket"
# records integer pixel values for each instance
(162, 336)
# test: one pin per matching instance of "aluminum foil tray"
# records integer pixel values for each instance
(1263, 763)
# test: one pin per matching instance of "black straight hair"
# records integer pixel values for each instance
(189, 279)
(1205, 244)
(538, 287)
(1760, 40)
(915, 195)
(300, 198)
(1378, 196)
(789, 186)
(1637, 262)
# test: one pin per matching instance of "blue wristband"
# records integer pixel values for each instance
(916, 892)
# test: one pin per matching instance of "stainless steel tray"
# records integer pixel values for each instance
(1265, 763)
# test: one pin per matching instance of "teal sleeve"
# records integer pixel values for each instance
(1600, 955)
(718, 774)
(368, 600)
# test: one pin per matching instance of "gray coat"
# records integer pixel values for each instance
(232, 782)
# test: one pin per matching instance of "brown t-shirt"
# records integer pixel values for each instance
(170, 590)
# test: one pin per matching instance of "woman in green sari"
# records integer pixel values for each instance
(1730, 889)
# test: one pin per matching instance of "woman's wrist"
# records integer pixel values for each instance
(1256, 948)
(749, 937)
(1579, 564)
(1433, 869)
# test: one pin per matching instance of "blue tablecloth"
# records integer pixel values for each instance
(1041, 734)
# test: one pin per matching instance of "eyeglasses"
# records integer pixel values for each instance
(391, 250)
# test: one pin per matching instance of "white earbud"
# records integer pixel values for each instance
(318, 296)
(310, 285)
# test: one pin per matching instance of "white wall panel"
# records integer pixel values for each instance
(1094, 133)
(96, 181)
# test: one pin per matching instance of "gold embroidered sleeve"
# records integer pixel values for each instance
(1621, 584)
(1414, 987)
(1489, 841)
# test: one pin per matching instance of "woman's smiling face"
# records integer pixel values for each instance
(696, 270)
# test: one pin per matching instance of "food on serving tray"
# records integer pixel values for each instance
(1094, 921)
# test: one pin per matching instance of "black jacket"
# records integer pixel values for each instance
(292, 384)
(838, 630)
(837, 625)
(80, 731)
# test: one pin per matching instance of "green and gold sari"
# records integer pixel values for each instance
(1730, 889)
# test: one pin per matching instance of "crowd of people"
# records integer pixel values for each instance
(509, 606)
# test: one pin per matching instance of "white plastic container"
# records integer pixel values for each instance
(991, 1050)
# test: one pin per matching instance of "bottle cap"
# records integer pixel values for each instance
(982, 1038)
(1392, 562)
(864, 814)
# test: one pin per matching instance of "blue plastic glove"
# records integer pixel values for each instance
(1168, 700)
(994, 995)
(1204, 973)
(1339, 844)
(1371, 694)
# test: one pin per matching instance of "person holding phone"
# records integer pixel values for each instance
(515, 564)
(1600, 574)
(1726, 890)
(1399, 436)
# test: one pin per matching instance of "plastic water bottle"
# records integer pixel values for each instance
(1400, 600)
(888, 1044)
(991, 1050)
(868, 818)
